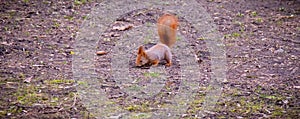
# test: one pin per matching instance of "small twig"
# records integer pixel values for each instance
(74, 102)
(36, 65)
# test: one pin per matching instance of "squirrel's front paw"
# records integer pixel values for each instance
(155, 62)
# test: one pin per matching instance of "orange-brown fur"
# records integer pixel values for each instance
(153, 55)
(167, 27)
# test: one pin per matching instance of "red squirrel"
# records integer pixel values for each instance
(167, 28)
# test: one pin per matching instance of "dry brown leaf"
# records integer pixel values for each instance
(101, 52)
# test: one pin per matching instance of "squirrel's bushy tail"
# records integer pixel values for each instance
(167, 28)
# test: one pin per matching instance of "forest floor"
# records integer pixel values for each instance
(262, 51)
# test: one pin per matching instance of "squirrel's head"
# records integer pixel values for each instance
(142, 57)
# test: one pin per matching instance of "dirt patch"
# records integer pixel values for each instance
(142, 76)
(36, 39)
(261, 37)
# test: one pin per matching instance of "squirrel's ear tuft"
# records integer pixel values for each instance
(141, 50)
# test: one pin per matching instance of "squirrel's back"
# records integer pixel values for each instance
(159, 51)
(167, 27)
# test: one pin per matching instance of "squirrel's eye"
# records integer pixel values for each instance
(141, 61)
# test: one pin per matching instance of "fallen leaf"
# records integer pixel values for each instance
(72, 52)
(101, 52)
(28, 80)
(123, 28)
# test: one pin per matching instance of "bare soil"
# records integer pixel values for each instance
(261, 37)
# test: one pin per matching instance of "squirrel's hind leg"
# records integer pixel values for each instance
(169, 63)
(168, 58)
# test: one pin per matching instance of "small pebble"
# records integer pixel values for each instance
(279, 51)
